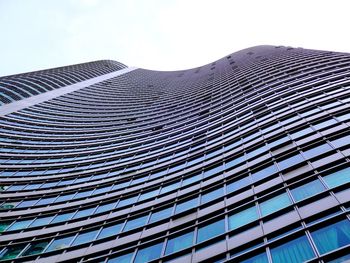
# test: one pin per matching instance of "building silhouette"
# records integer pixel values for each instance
(245, 159)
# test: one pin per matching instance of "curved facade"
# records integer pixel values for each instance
(245, 159)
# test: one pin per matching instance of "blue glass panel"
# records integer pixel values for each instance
(212, 195)
(108, 231)
(338, 178)
(318, 150)
(211, 230)
(121, 259)
(35, 248)
(85, 237)
(234, 162)
(104, 208)
(290, 161)
(297, 250)
(263, 173)
(341, 141)
(85, 212)
(170, 187)
(135, 223)
(307, 190)
(332, 237)
(148, 194)
(60, 243)
(186, 205)
(179, 243)
(274, 204)
(41, 221)
(156, 216)
(127, 201)
(242, 218)
(261, 258)
(62, 217)
(149, 253)
(234, 186)
(213, 170)
(20, 225)
(11, 252)
(191, 179)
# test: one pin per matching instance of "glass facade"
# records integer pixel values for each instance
(245, 159)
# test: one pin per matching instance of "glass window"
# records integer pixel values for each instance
(60, 243)
(149, 194)
(337, 178)
(261, 258)
(318, 150)
(27, 203)
(149, 253)
(332, 237)
(274, 204)
(121, 259)
(35, 248)
(62, 217)
(4, 225)
(104, 208)
(191, 179)
(234, 186)
(286, 163)
(11, 252)
(135, 223)
(156, 216)
(207, 197)
(307, 190)
(185, 205)
(46, 201)
(108, 231)
(301, 133)
(211, 230)
(341, 141)
(20, 225)
(127, 201)
(85, 212)
(234, 162)
(213, 170)
(263, 173)
(41, 221)
(85, 237)
(242, 218)
(298, 249)
(179, 243)
(170, 187)
(64, 198)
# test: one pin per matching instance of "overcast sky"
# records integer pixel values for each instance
(161, 34)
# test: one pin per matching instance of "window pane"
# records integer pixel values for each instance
(186, 205)
(212, 230)
(274, 204)
(121, 259)
(338, 178)
(4, 225)
(134, 223)
(264, 173)
(41, 221)
(110, 231)
(317, 151)
(20, 225)
(332, 237)
(62, 217)
(11, 252)
(59, 243)
(234, 186)
(212, 195)
(85, 237)
(242, 218)
(290, 161)
(178, 243)
(149, 253)
(104, 208)
(161, 215)
(261, 258)
(85, 212)
(35, 248)
(299, 250)
(307, 190)
(127, 201)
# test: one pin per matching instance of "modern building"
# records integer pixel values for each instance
(245, 159)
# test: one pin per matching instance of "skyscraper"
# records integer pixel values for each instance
(245, 159)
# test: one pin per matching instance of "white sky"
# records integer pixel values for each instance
(161, 34)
